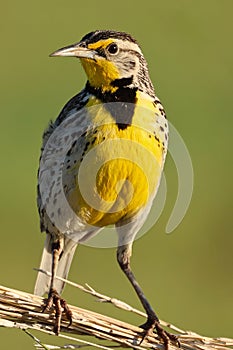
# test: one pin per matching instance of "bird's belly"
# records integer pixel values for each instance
(117, 175)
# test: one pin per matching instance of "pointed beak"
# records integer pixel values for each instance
(74, 51)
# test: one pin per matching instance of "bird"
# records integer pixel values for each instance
(101, 164)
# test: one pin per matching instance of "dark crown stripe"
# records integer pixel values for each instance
(97, 35)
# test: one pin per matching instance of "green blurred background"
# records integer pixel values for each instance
(187, 275)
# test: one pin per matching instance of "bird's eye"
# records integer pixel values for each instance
(113, 48)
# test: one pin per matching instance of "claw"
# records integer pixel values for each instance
(166, 337)
(67, 311)
(60, 307)
(148, 329)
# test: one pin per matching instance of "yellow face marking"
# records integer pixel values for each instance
(100, 72)
(100, 44)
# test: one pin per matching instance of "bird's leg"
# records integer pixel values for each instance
(123, 258)
(54, 298)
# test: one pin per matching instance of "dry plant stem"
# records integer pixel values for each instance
(116, 302)
(23, 310)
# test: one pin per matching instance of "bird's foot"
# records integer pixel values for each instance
(60, 306)
(153, 323)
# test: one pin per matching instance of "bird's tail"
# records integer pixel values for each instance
(43, 281)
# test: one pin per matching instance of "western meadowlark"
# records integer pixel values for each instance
(120, 121)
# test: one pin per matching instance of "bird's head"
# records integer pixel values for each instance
(111, 60)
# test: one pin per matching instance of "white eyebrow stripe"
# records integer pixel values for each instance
(127, 45)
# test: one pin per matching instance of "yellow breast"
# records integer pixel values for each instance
(120, 170)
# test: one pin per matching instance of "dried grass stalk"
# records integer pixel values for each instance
(23, 310)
